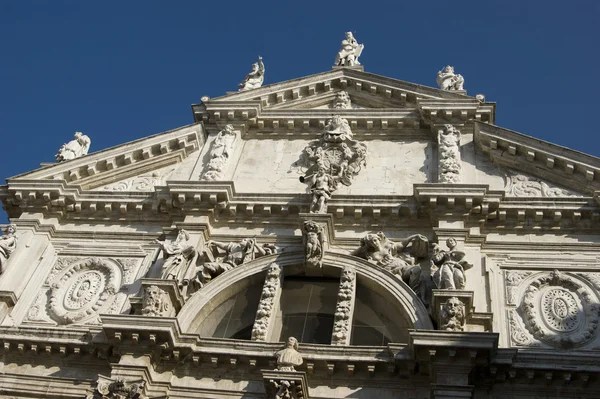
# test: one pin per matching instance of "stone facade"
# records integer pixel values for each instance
(397, 240)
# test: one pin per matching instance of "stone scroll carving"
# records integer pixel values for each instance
(334, 158)
(398, 258)
(313, 238)
(117, 389)
(519, 185)
(518, 335)
(8, 244)
(143, 183)
(449, 163)
(448, 267)
(513, 279)
(255, 78)
(342, 100)
(351, 50)
(75, 148)
(156, 302)
(221, 151)
(560, 311)
(448, 80)
(452, 315)
(180, 259)
(267, 303)
(344, 308)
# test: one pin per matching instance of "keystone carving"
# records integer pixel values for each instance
(8, 244)
(452, 315)
(448, 80)
(221, 151)
(449, 164)
(448, 267)
(313, 238)
(268, 297)
(351, 50)
(75, 148)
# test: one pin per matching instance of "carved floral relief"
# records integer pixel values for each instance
(519, 185)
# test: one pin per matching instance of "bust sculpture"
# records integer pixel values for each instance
(8, 244)
(351, 50)
(452, 315)
(448, 80)
(75, 148)
(342, 100)
(255, 78)
(289, 357)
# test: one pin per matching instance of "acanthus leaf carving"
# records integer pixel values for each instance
(518, 335)
(142, 183)
(513, 279)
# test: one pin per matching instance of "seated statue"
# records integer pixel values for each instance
(448, 267)
(180, 259)
(75, 148)
(351, 50)
(448, 80)
(8, 244)
(255, 78)
(398, 258)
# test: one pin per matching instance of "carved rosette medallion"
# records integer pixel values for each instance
(559, 311)
(81, 291)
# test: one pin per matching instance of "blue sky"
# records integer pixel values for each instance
(122, 70)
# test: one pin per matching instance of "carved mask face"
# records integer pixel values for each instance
(451, 243)
(453, 306)
(11, 229)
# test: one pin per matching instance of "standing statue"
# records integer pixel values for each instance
(8, 244)
(448, 80)
(221, 151)
(75, 148)
(448, 267)
(180, 259)
(255, 78)
(313, 239)
(398, 258)
(351, 50)
(289, 357)
(322, 185)
(236, 253)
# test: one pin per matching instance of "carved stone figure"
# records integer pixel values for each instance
(8, 244)
(75, 148)
(255, 78)
(343, 309)
(449, 155)
(266, 304)
(313, 238)
(321, 188)
(351, 50)
(156, 302)
(452, 315)
(289, 358)
(337, 130)
(342, 100)
(180, 259)
(448, 267)
(448, 80)
(398, 258)
(117, 389)
(220, 152)
(236, 253)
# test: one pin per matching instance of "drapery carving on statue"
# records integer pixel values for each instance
(266, 303)
(289, 357)
(452, 315)
(398, 258)
(75, 148)
(255, 78)
(449, 154)
(180, 260)
(313, 238)
(117, 389)
(221, 151)
(448, 80)
(341, 320)
(334, 158)
(351, 50)
(8, 244)
(448, 267)
(342, 100)
(228, 256)
(155, 302)
(520, 185)
(560, 311)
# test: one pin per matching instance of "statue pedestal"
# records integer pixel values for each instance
(282, 384)
(159, 298)
(355, 67)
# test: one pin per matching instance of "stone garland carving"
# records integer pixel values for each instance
(341, 321)
(449, 164)
(518, 185)
(513, 278)
(448, 80)
(266, 303)
(180, 260)
(448, 267)
(351, 50)
(342, 100)
(559, 311)
(452, 315)
(75, 148)
(222, 149)
(117, 389)
(313, 239)
(334, 158)
(398, 258)
(236, 253)
(83, 290)
(8, 244)
(255, 78)
(156, 302)
(143, 183)
(518, 335)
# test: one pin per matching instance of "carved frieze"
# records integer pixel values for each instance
(344, 308)
(144, 183)
(519, 185)
(270, 292)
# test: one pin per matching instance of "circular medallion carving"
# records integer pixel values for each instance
(560, 310)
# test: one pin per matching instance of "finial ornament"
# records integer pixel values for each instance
(448, 80)
(75, 148)
(255, 78)
(351, 50)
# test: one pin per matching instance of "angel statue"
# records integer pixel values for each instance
(180, 259)
(313, 239)
(75, 148)
(351, 50)
(448, 267)
(448, 80)
(8, 244)
(255, 78)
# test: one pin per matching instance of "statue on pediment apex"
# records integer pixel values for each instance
(351, 50)
(75, 148)
(255, 78)
(448, 80)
